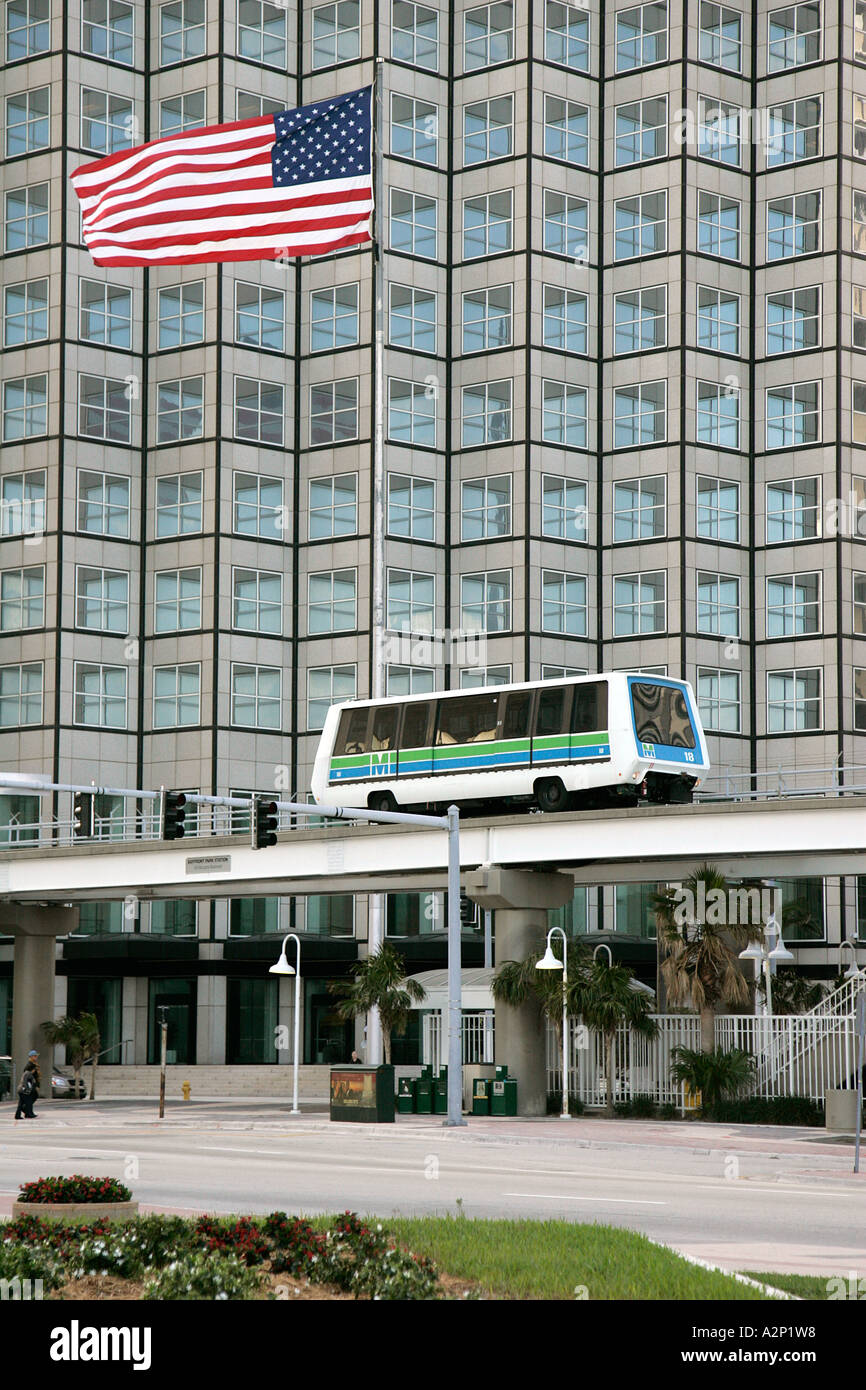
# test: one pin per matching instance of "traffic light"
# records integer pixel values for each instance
(265, 815)
(82, 815)
(173, 815)
(468, 911)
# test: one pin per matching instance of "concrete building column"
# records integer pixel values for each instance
(35, 931)
(521, 901)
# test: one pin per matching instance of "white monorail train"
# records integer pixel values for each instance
(588, 741)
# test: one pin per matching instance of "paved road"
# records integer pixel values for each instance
(740, 1196)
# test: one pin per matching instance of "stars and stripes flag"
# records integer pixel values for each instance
(299, 183)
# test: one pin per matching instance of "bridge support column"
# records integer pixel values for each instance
(35, 930)
(521, 901)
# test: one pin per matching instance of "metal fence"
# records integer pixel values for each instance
(642, 1065)
(478, 1038)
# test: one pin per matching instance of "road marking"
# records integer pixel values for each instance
(565, 1197)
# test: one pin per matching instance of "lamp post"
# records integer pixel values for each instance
(767, 957)
(282, 967)
(853, 971)
(551, 962)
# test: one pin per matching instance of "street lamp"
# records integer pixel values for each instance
(767, 957)
(551, 962)
(853, 972)
(603, 946)
(282, 967)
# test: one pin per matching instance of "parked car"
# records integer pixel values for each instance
(63, 1085)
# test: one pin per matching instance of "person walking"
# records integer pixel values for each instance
(28, 1088)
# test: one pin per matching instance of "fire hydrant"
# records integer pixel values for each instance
(186, 1088)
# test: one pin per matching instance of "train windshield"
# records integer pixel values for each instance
(661, 715)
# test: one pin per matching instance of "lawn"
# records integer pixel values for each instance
(811, 1286)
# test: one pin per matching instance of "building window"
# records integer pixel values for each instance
(409, 680)
(177, 600)
(793, 605)
(22, 503)
(485, 508)
(257, 601)
(793, 701)
(333, 318)
(100, 695)
(260, 316)
(415, 35)
(411, 507)
(639, 509)
(28, 122)
(25, 313)
(640, 320)
(718, 320)
(719, 131)
(411, 413)
(21, 695)
(487, 319)
(718, 415)
(793, 415)
(793, 36)
(103, 504)
(639, 602)
(486, 413)
(107, 122)
(859, 133)
(170, 917)
(258, 410)
(183, 111)
(22, 598)
(639, 414)
(564, 414)
(488, 35)
(179, 409)
(336, 33)
(794, 131)
(25, 407)
(793, 320)
(487, 224)
(641, 131)
(332, 601)
(566, 225)
(859, 699)
(563, 508)
(476, 677)
(256, 696)
(414, 129)
(326, 686)
(718, 513)
(858, 412)
(413, 224)
(176, 696)
(566, 35)
(179, 504)
(563, 603)
(258, 507)
(564, 321)
(860, 31)
(330, 914)
(721, 36)
(334, 411)
(262, 33)
(719, 700)
(412, 318)
(566, 130)
(104, 408)
(485, 601)
(641, 36)
(180, 315)
(105, 313)
(411, 601)
(28, 28)
(793, 226)
(793, 510)
(181, 31)
(718, 604)
(333, 506)
(859, 597)
(640, 225)
(488, 130)
(858, 230)
(101, 599)
(26, 217)
(558, 673)
(719, 226)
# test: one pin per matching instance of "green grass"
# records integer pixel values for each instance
(811, 1286)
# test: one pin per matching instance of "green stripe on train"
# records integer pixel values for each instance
(459, 750)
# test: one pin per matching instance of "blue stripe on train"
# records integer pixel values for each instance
(477, 761)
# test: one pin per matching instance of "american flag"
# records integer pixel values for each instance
(299, 183)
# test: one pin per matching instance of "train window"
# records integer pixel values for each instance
(661, 716)
(468, 720)
(352, 733)
(416, 722)
(515, 721)
(589, 711)
(384, 728)
(550, 716)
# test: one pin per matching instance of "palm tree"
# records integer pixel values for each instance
(715, 1074)
(700, 957)
(88, 1025)
(66, 1032)
(518, 981)
(380, 982)
(607, 998)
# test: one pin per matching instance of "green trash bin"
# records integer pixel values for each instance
(481, 1096)
(503, 1099)
(405, 1097)
(440, 1093)
(423, 1089)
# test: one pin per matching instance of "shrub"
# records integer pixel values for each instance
(24, 1261)
(668, 1112)
(641, 1107)
(198, 1275)
(160, 1239)
(297, 1248)
(241, 1237)
(715, 1074)
(74, 1189)
(554, 1104)
(364, 1260)
(757, 1110)
(116, 1253)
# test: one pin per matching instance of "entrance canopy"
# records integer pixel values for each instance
(475, 988)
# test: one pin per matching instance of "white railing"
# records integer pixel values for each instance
(783, 782)
(642, 1066)
(478, 1038)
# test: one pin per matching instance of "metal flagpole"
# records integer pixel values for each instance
(455, 1001)
(861, 1037)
